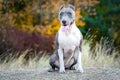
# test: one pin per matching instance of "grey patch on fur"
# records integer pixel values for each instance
(80, 46)
(56, 41)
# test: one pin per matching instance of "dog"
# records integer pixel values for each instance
(68, 43)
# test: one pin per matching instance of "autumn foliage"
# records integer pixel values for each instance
(32, 24)
(18, 40)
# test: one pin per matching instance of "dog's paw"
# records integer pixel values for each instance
(62, 70)
(72, 68)
(79, 70)
(50, 70)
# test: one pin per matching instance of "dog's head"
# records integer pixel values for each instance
(67, 15)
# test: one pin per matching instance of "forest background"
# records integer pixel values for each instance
(32, 24)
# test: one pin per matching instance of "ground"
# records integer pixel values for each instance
(42, 74)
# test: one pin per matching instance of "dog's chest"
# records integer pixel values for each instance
(68, 41)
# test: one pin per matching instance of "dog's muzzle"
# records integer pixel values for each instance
(65, 26)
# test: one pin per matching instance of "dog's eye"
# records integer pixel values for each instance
(69, 13)
(61, 13)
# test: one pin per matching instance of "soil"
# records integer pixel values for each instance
(42, 74)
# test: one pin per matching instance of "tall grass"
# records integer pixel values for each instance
(21, 62)
(101, 55)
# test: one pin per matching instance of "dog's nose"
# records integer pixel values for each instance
(64, 22)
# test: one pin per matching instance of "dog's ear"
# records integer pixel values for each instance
(72, 7)
(61, 7)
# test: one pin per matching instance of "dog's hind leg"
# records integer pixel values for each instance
(71, 64)
(53, 62)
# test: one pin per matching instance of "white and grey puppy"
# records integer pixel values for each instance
(68, 42)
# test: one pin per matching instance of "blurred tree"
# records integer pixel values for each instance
(104, 20)
(14, 5)
(41, 16)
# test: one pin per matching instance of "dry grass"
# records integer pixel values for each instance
(21, 63)
(102, 57)
(88, 60)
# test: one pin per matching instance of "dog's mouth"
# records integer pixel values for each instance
(66, 27)
(65, 24)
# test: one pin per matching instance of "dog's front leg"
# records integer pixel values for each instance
(61, 61)
(79, 65)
